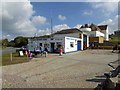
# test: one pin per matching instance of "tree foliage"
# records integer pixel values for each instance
(11, 43)
(5, 42)
(20, 41)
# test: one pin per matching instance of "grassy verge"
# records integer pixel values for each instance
(6, 59)
(115, 40)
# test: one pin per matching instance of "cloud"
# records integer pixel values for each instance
(56, 28)
(60, 27)
(88, 13)
(7, 36)
(107, 8)
(42, 32)
(16, 19)
(61, 17)
(37, 20)
(78, 26)
(112, 24)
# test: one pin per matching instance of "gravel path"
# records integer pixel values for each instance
(73, 70)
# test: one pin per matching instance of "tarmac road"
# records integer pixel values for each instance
(9, 50)
(74, 70)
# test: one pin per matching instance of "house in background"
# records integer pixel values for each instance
(97, 34)
(104, 29)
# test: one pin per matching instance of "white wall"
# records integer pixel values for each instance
(68, 48)
(87, 41)
(96, 34)
(75, 35)
(31, 44)
(58, 39)
(37, 42)
(85, 29)
(48, 41)
(106, 33)
(82, 42)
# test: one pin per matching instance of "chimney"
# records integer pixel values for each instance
(86, 25)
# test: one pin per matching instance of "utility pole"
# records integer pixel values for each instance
(51, 23)
(51, 26)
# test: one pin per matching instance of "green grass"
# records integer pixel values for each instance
(115, 40)
(6, 59)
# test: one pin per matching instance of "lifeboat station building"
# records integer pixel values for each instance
(70, 39)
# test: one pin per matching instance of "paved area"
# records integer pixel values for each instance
(73, 70)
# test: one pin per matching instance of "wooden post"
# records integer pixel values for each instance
(119, 73)
(11, 56)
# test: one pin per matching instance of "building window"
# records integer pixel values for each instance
(71, 44)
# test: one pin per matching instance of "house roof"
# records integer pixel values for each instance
(85, 26)
(67, 31)
(95, 27)
(44, 36)
(103, 27)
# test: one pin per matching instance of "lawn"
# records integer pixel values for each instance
(115, 39)
(7, 60)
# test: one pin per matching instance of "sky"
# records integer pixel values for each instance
(34, 18)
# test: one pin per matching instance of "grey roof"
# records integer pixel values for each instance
(95, 27)
(67, 31)
(103, 27)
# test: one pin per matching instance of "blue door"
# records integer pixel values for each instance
(78, 45)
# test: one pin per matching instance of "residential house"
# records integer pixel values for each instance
(97, 34)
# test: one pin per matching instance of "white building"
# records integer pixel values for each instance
(104, 30)
(96, 33)
(71, 40)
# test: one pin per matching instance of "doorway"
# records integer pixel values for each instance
(78, 45)
(52, 47)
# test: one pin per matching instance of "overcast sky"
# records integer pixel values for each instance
(27, 18)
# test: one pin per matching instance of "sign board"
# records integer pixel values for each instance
(21, 53)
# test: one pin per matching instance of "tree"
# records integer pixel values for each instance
(11, 43)
(5, 42)
(20, 41)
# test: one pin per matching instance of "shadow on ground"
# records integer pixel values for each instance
(98, 79)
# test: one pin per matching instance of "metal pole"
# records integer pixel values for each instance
(51, 20)
(51, 27)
